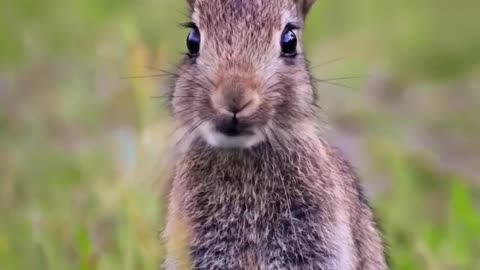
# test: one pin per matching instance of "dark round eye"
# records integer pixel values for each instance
(193, 42)
(289, 43)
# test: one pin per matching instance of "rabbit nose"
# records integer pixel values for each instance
(236, 107)
(239, 104)
(231, 120)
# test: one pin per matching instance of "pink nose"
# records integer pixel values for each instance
(237, 107)
(239, 104)
(236, 96)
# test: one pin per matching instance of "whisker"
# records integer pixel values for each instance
(143, 76)
(152, 68)
(333, 83)
(205, 75)
(273, 86)
(170, 96)
(327, 62)
(191, 109)
(190, 131)
(341, 78)
(202, 87)
(268, 80)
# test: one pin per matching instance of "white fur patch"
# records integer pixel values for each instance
(345, 252)
(217, 139)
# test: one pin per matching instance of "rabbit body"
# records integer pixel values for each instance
(255, 184)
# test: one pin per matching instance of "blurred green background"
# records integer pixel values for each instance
(84, 150)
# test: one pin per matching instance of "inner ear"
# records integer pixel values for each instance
(302, 5)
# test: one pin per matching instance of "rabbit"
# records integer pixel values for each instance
(255, 184)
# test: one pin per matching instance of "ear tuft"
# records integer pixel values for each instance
(304, 6)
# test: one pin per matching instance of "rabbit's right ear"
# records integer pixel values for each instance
(302, 5)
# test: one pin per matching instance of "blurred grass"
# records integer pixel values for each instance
(83, 153)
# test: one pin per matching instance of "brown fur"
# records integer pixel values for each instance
(287, 202)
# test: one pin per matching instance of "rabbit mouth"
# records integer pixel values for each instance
(230, 136)
(232, 127)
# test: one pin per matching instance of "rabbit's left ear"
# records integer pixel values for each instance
(190, 3)
(304, 6)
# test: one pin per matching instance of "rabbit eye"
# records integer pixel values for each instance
(193, 42)
(289, 43)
